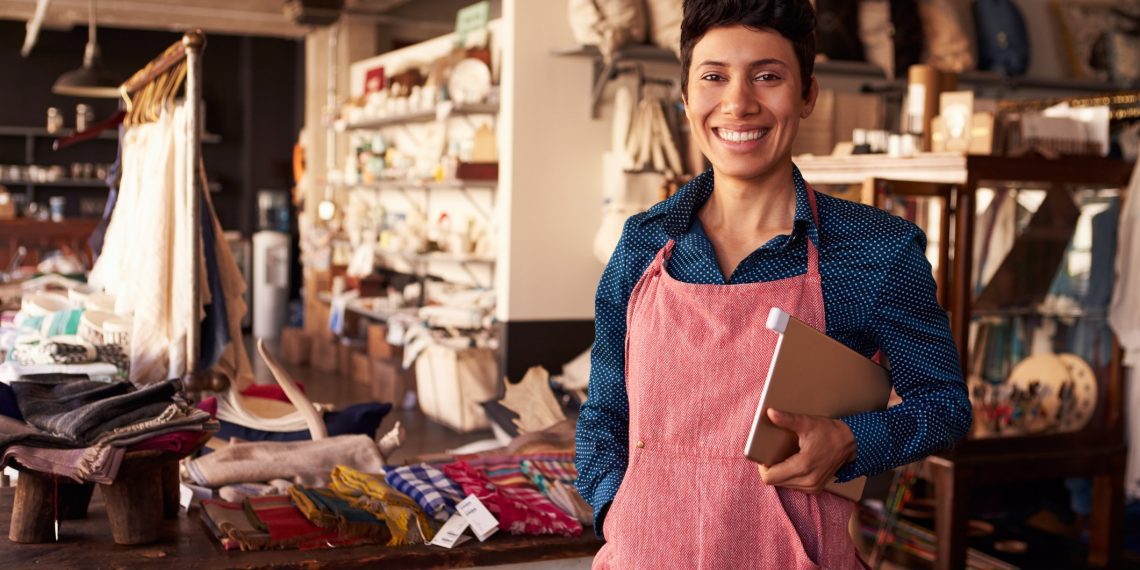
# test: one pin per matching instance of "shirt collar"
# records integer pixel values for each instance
(681, 208)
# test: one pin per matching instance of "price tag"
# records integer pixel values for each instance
(482, 522)
(451, 534)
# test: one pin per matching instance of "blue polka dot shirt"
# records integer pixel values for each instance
(878, 292)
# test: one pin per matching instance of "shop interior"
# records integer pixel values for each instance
(284, 282)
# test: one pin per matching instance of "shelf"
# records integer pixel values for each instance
(61, 182)
(1047, 313)
(40, 132)
(78, 183)
(421, 117)
(973, 80)
(951, 168)
(437, 256)
(420, 185)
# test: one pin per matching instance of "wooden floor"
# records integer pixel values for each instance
(423, 435)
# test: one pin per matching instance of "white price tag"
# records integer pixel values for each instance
(451, 534)
(482, 522)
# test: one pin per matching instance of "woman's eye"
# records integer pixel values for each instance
(712, 77)
(767, 77)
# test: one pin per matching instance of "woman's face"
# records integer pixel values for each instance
(744, 100)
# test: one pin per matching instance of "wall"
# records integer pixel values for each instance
(251, 105)
(553, 174)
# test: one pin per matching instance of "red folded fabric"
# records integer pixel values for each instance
(210, 406)
(288, 526)
(178, 442)
(268, 392)
(519, 509)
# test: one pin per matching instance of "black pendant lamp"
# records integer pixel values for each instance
(90, 80)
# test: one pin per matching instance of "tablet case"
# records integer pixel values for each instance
(812, 373)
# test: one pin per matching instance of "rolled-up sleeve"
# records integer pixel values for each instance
(602, 438)
(913, 332)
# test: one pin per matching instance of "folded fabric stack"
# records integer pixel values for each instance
(78, 428)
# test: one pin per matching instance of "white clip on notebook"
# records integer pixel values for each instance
(812, 373)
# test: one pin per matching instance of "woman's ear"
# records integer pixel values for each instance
(809, 101)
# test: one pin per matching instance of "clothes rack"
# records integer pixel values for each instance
(184, 59)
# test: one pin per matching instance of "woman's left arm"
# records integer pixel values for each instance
(913, 332)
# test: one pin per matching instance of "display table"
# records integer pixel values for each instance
(185, 542)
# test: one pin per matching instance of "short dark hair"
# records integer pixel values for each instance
(793, 19)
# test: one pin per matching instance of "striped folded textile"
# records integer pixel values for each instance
(560, 491)
(406, 521)
(429, 487)
(556, 469)
(326, 509)
(520, 509)
(232, 527)
(288, 528)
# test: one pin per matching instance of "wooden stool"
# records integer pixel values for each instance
(143, 493)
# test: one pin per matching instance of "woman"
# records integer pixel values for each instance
(681, 348)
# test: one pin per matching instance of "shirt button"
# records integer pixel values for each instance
(640, 444)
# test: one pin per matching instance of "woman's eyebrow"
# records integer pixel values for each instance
(757, 63)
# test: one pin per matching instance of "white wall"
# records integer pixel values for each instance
(551, 179)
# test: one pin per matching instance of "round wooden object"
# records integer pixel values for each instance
(135, 500)
(33, 514)
(1084, 394)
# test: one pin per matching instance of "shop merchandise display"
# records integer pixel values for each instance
(398, 505)
(80, 429)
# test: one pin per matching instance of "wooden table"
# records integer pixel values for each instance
(185, 543)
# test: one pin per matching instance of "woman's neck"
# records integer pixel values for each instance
(755, 207)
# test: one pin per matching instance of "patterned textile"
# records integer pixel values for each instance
(231, 525)
(878, 295)
(556, 480)
(406, 522)
(289, 528)
(55, 351)
(326, 509)
(519, 509)
(432, 490)
(560, 470)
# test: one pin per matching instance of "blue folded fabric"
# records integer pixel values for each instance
(8, 405)
(356, 419)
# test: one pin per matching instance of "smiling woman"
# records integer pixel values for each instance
(681, 349)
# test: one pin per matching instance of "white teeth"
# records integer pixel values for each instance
(740, 136)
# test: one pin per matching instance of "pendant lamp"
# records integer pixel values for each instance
(90, 80)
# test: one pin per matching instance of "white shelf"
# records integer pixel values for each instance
(421, 117)
(437, 256)
(943, 168)
(421, 185)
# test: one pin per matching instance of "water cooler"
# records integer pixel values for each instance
(271, 262)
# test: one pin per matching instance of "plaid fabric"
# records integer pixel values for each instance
(432, 490)
(520, 509)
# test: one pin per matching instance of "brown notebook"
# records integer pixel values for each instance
(812, 373)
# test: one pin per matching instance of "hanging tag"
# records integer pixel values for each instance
(482, 522)
(451, 534)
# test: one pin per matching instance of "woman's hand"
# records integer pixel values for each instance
(825, 445)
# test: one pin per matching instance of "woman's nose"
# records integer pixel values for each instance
(738, 99)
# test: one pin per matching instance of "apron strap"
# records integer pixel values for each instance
(813, 251)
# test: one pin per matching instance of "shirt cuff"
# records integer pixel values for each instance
(872, 445)
(604, 495)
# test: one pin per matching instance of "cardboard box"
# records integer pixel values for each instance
(294, 346)
(324, 355)
(347, 348)
(317, 319)
(378, 345)
(389, 381)
(360, 368)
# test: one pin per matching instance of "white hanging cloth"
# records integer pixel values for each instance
(147, 263)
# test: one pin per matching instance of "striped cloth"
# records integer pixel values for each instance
(520, 509)
(560, 469)
(432, 490)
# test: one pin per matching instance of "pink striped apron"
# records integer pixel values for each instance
(689, 498)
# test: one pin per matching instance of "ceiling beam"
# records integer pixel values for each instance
(251, 17)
